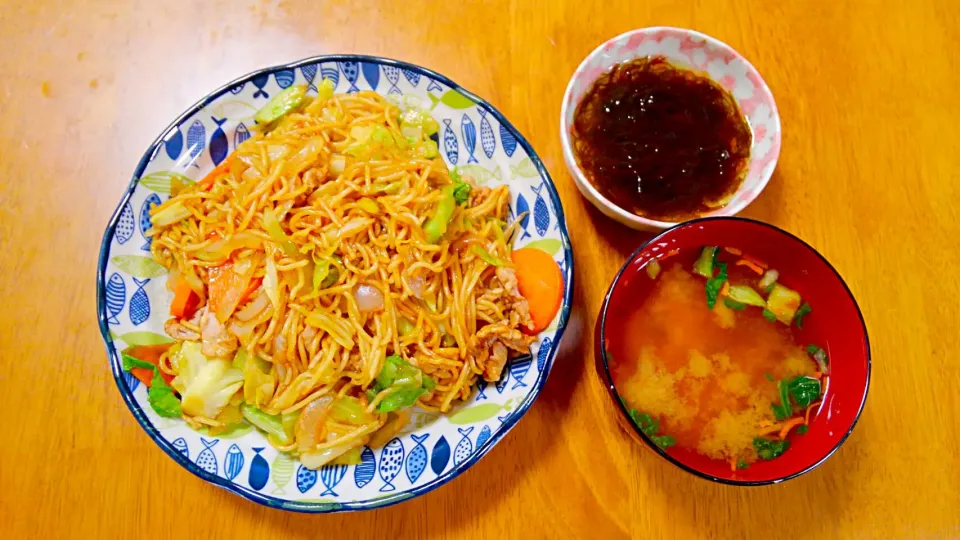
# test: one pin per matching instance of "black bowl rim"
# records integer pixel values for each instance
(608, 378)
(333, 507)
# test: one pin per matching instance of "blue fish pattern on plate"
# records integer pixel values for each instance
(351, 70)
(504, 379)
(306, 479)
(417, 459)
(440, 455)
(132, 382)
(364, 471)
(393, 76)
(464, 447)
(541, 216)
(371, 72)
(329, 71)
(469, 132)
(331, 475)
(219, 147)
(233, 463)
(180, 445)
(145, 223)
(139, 303)
(240, 135)
(260, 81)
(543, 352)
(309, 72)
(519, 369)
(207, 461)
(174, 144)
(285, 77)
(523, 208)
(487, 140)
(391, 461)
(484, 436)
(433, 451)
(450, 145)
(412, 76)
(481, 386)
(259, 470)
(126, 226)
(196, 139)
(508, 141)
(116, 297)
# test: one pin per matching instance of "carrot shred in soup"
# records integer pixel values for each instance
(708, 361)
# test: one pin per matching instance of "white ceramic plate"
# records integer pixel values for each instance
(133, 302)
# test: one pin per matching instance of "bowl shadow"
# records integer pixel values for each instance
(769, 203)
(617, 235)
(754, 509)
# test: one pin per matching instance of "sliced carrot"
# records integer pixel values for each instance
(227, 290)
(185, 300)
(669, 254)
(725, 290)
(733, 464)
(541, 283)
(151, 354)
(144, 375)
(733, 251)
(751, 265)
(788, 425)
(806, 417)
(222, 168)
(148, 353)
(774, 428)
(755, 261)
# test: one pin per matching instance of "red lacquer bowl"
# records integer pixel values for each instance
(836, 324)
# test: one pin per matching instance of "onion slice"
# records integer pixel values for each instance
(368, 297)
(311, 419)
(254, 308)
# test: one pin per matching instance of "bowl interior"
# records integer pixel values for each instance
(835, 324)
(698, 52)
(133, 301)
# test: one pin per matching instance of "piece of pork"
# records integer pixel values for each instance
(519, 305)
(490, 348)
(216, 341)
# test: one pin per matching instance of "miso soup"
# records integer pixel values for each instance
(706, 359)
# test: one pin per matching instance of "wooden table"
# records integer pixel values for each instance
(867, 91)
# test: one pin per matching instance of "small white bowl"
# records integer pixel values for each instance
(692, 50)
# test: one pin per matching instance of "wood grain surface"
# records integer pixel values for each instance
(868, 174)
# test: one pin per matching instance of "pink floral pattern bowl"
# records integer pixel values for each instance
(693, 50)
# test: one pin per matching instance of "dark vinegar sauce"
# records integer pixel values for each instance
(661, 141)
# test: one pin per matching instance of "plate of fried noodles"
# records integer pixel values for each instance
(334, 285)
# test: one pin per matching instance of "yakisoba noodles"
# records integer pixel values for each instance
(330, 274)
